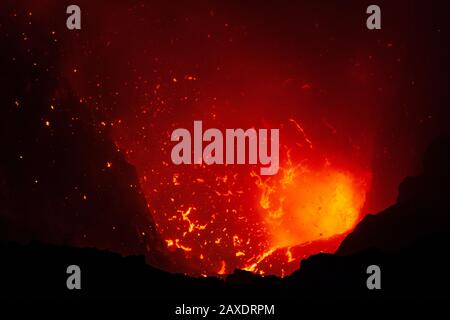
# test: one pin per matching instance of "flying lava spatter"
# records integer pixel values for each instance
(227, 217)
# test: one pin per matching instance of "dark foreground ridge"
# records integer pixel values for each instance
(409, 242)
(39, 271)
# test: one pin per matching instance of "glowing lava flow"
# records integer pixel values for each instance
(216, 218)
(305, 206)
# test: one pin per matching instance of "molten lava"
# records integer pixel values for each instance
(307, 205)
(307, 209)
(220, 217)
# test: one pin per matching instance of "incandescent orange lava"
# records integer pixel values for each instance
(304, 206)
(307, 205)
(216, 218)
(225, 217)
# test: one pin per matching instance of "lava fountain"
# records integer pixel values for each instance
(306, 211)
(216, 218)
(306, 205)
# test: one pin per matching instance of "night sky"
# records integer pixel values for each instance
(355, 109)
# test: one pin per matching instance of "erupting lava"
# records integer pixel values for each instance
(307, 205)
(307, 209)
(222, 217)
